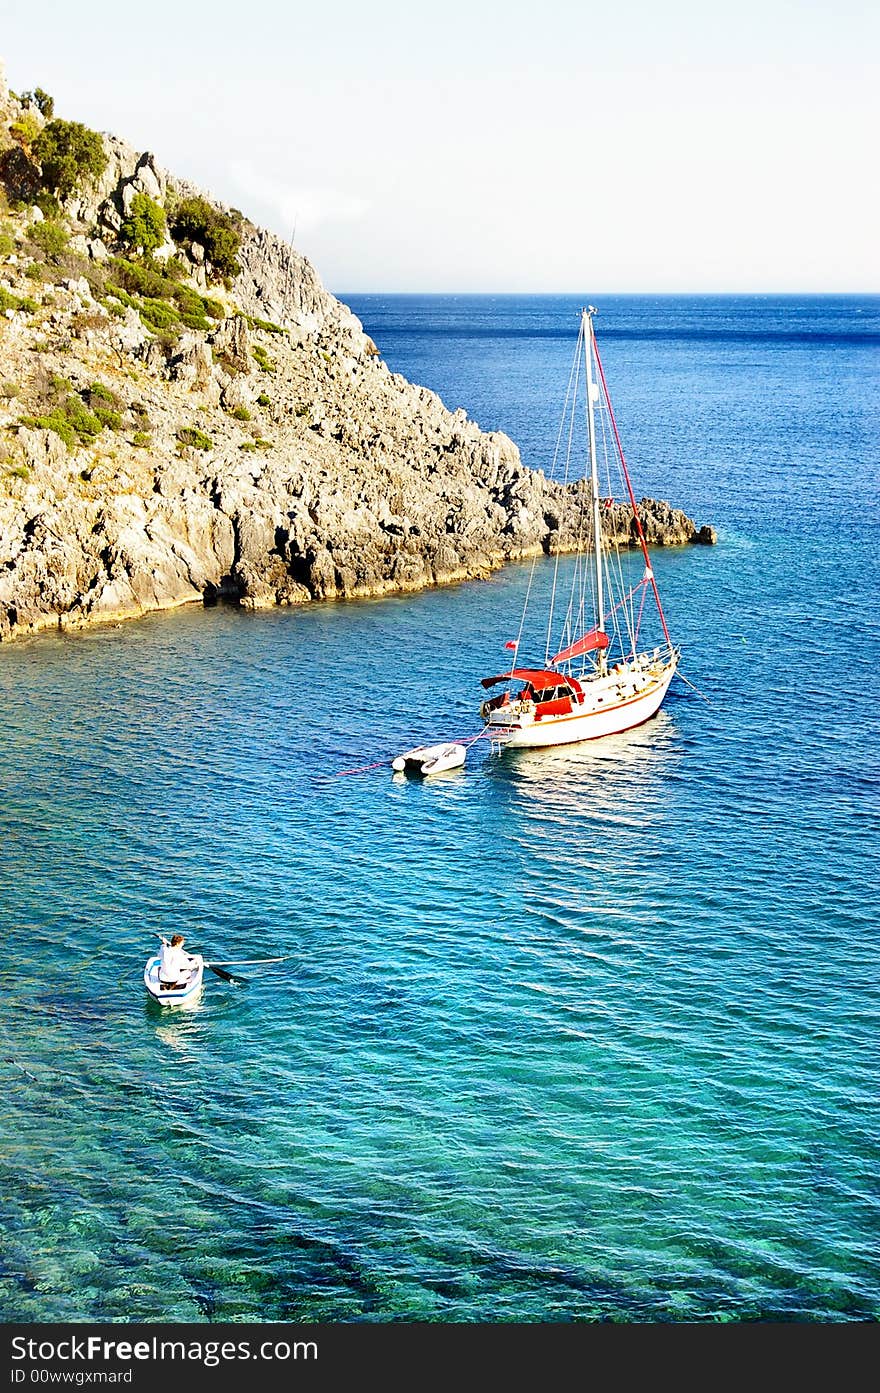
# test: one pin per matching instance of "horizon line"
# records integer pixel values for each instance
(623, 294)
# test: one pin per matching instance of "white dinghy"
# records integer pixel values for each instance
(430, 759)
(184, 990)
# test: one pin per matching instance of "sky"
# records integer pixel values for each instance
(476, 146)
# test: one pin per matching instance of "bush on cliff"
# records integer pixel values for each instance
(196, 221)
(51, 237)
(68, 153)
(262, 357)
(70, 420)
(104, 404)
(164, 300)
(8, 301)
(144, 228)
(19, 175)
(42, 101)
(26, 129)
(59, 408)
(192, 436)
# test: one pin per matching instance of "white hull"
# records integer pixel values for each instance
(176, 995)
(610, 716)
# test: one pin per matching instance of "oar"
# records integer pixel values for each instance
(240, 962)
(247, 962)
(227, 976)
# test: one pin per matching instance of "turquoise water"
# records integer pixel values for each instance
(581, 1034)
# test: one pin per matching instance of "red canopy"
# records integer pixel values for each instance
(538, 677)
(587, 643)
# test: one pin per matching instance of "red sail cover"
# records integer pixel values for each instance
(539, 678)
(587, 643)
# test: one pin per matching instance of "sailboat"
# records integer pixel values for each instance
(598, 676)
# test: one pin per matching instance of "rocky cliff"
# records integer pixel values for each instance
(169, 436)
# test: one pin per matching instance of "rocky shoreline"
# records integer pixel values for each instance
(264, 453)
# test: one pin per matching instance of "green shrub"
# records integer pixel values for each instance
(8, 390)
(68, 417)
(57, 422)
(263, 358)
(7, 244)
(196, 220)
(213, 308)
(264, 399)
(157, 314)
(110, 419)
(249, 445)
(19, 174)
(141, 440)
(47, 204)
(180, 302)
(8, 301)
(85, 424)
(144, 227)
(190, 307)
(190, 435)
(98, 392)
(222, 249)
(240, 413)
(175, 269)
(42, 101)
(121, 296)
(266, 325)
(68, 153)
(50, 236)
(34, 271)
(20, 471)
(26, 129)
(142, 278)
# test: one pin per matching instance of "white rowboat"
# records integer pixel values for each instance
(185, 990)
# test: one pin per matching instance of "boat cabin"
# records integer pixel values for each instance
(549, 701)
(551, 693)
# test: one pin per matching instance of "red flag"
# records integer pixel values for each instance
(510, 645)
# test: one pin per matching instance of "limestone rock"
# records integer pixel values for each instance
(231, 341)
(272, 457)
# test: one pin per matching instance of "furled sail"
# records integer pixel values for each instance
(589, 642)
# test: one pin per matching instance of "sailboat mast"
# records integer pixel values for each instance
(592, 396)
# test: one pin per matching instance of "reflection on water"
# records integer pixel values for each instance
(647, 751)
(176, 1025)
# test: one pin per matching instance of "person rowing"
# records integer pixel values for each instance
(175, 964)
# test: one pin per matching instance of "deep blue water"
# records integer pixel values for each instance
(565, 1035)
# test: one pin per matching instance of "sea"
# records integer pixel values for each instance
(587, 1034)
